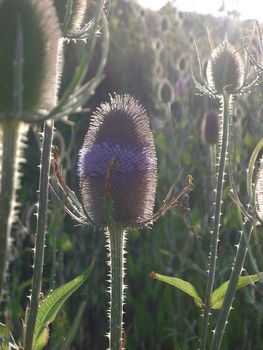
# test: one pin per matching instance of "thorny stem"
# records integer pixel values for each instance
(40, 234)
(8, 168)
(226, 100)
(116, 237)
(229, 296)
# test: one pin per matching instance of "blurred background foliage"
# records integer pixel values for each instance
(150, 58)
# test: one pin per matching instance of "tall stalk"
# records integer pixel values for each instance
(11, 149)
(40, 233)
(116, 239)
(229, 296)
(223, 147)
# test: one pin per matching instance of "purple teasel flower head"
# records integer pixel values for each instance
(118, 157)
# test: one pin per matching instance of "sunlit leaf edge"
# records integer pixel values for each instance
(218, 294)
(179, 283)
(52, 303)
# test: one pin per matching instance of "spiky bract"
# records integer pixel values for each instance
(225, 69)
(119, 143)
(29, 36)
(210, 127)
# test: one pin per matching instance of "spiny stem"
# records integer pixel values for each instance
(116, 237)
(40, 234)
(11, 133)
(226, 100)
(229, 296)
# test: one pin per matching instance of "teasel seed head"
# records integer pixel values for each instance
(210, 127)
(166, 91)
(225, 69)
(165, 23)
(119, 140)
(78, 13)
(29, 36)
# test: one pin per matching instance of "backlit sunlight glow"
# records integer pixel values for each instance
(252, 9)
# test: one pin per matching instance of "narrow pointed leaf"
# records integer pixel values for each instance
(51, 304)
(75, 326)
(219, 294)
(184, 286)
(4, 337)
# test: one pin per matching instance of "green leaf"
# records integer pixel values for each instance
(75, 326)
(219, 294)
(50, 306)
(184, 286)
(4, 337)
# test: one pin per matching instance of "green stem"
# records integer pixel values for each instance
(226, 100)
(11, 132)
(40, 234)
(230, 293)
(116, 238)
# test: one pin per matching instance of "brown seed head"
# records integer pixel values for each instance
(225, 69)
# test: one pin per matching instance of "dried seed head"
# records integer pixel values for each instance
(29, 36)
(210, 127)
(119, 134)
(259, 190)
(225, 69)
(166, 91)
(165, 23)
(78, 13)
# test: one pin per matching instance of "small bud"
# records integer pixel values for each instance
(210, 127)
(29, 36)
(119, 134)
(225, 69)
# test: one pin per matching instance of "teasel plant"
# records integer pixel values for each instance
(82, 94)
(30, 77)
(226, 78)
(29, 83)
(252, 217)
(117, 169)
